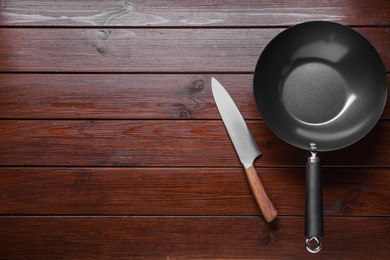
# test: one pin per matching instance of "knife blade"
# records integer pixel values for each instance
(245, 146)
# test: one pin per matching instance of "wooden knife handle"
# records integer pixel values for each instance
(264, 203)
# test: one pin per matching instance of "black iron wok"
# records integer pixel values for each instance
(319, 86)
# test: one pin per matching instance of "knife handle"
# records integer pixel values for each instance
(264, 203)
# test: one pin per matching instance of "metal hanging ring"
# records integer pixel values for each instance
(316, 249)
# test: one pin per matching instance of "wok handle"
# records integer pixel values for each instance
(263, 202)
(314, 228)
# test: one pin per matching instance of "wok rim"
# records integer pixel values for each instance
(380, 104)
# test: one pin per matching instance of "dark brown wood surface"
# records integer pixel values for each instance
(123, 96)
(188, 191)
(186, 237)
(111, 145)
(162, 143)
(152, 50)
(186, 13)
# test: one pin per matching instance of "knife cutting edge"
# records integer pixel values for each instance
(245, 146)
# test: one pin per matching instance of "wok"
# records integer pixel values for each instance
(319, 86)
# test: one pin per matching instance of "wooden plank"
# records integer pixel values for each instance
(138, 50)
(187, 238)
(163, 143)
(185, 13)
(186, 191)
(123, 96)
(119, 96)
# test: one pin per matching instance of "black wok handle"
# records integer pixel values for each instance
(314, 229)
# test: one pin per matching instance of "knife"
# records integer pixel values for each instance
(245, 146)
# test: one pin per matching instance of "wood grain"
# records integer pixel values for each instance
(186, 191)
(186, 237)
(123, 96)
(111, 145)
(163, 143)
(138, 50)
(185, 13)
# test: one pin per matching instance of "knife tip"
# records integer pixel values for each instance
(214, 82)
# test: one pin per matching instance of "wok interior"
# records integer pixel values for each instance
(322, 83)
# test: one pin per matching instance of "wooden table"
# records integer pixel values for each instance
(111, 144)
